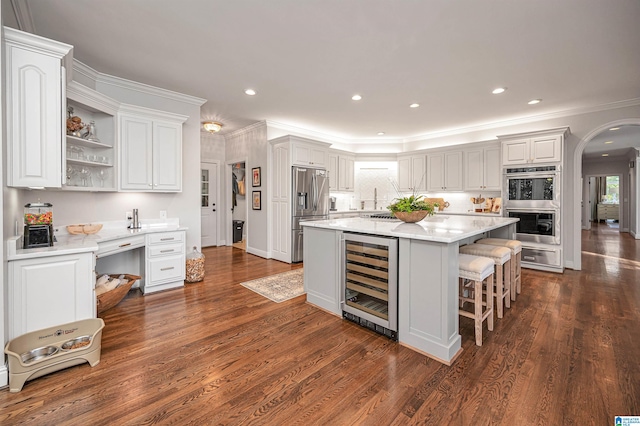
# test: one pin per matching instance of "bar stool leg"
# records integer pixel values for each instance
(514, 279)
(506, 283)
(489, 297)
(477, 286)
(519, 272)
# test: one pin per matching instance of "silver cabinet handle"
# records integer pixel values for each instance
(167, 239)
(166, 251)
(167, 269)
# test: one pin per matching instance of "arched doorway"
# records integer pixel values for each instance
(577, 170)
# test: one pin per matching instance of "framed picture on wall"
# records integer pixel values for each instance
(257, 200)
(255, 172)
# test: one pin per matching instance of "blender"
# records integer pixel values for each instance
(38, 225)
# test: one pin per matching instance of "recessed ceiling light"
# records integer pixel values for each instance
(605, 155)
(380, 133)
(250, 92)
(614, 128)
(356, 97)
(608, 142)
(414, 105)
(534, 101)
(498, 90)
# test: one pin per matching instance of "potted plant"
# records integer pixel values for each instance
(412, 208)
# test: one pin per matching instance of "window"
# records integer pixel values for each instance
(612, 190)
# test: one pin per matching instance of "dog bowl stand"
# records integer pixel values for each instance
(20, 372)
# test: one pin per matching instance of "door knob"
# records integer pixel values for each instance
(214, 210)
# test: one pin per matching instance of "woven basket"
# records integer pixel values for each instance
(111, 298)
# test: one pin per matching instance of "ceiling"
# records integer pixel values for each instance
(614, 143)
(307, 58)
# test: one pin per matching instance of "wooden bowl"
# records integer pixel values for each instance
(412, 217)
(92, 228)
(75, 229)
(84, 229)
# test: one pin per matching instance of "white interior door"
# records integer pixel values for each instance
(208, 201)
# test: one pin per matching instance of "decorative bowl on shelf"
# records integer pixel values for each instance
(412, 217)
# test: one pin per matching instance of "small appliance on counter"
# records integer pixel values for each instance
(332, 204)
(38, 225)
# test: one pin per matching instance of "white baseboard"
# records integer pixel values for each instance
(257, 252)
(4, 376)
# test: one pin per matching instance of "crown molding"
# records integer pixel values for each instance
(152, 113)
(87, 96)
(85, 70)
(525, 120)
(23, 15)
(148, 89)
(311, 134)
(244, 130)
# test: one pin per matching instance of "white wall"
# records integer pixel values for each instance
(250, 145)
(184, 205)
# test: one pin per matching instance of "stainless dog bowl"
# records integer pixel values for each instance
(77, 343)
(38, 354)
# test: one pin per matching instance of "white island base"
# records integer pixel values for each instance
(427, 272)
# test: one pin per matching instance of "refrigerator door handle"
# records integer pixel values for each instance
(314, 191)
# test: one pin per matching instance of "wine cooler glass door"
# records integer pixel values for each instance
(370, 279)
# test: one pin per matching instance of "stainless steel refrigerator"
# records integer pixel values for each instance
(310, 201)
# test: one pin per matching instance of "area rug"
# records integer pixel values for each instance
(280, 287)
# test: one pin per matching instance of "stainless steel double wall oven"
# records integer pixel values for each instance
(533, 195)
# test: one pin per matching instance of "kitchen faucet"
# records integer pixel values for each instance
(375, 198)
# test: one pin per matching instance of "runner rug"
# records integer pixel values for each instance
(280, 287)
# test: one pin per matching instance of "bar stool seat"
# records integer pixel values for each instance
(473, 271)
(516, 258)
(502, 259)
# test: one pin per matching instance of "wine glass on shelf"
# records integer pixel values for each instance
(102, 175)
(71, 173)
(85, 177)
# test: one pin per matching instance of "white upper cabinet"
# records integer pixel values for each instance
(341, 171)
(332, 169)
(444, 171)
(308, 154)
(532, 148)
(411, 173)
(35, 101)
(345, 173)
(482, 169)
(150, 150)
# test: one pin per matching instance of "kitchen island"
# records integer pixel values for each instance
(427, 273)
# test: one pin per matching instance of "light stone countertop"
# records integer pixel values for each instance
(441, 228)
(70, 244)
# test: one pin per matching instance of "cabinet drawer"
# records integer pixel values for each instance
(165, 250)
(161, 269)
(108, 248)
(166, 237)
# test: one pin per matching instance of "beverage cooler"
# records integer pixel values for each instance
(369, 290)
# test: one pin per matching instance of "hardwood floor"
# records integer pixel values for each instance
(216, 353)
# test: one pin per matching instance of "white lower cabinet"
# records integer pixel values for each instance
(48, 291)
(164, 261)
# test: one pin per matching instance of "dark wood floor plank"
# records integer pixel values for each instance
(214, 352)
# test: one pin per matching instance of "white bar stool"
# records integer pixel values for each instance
(502, 258)
(473, 271)
(516, 257)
